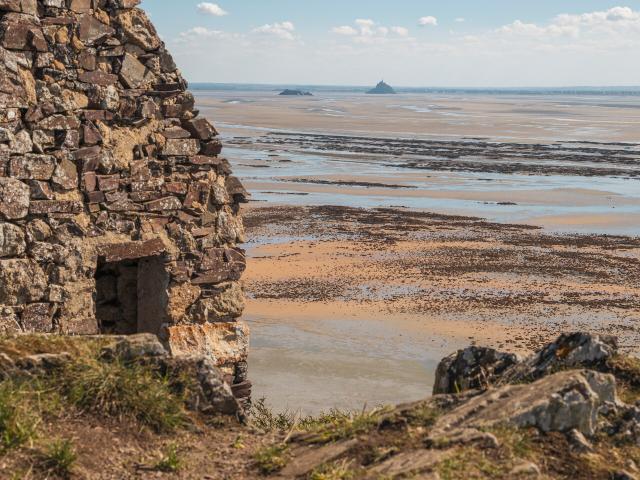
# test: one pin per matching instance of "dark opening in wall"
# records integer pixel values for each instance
(131, 296)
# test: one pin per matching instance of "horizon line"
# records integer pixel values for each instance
(459, 87)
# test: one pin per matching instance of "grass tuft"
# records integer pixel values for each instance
(121, 390)
(265, 419)
(340, 470)
(338, 425)
(170, 461)
(59, 458)
(18, 418)
(271, 459)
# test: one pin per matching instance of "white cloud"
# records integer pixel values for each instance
(368, 31)
(345, 30)
(400, 31)
(460, 20)
(428, 21)
(609, 23)
(595, 47)
(211, 9)
(201, 32)
(283, 30)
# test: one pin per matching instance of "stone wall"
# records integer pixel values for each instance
(117, 214)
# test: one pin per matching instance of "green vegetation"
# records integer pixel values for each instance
(170, 461)
(121, 390)
(327, 427)
(87, 383)
(59, 458)
(337, 425)
(19, 418)
(470, 462)
(271, 459)
(333, 471)
(262, 417)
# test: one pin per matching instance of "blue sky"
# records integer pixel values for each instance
(408, 42)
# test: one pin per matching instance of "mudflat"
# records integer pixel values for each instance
(350, 304)
(385, 233)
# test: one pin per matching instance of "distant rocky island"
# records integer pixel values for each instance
(299, 93)
(382, 89)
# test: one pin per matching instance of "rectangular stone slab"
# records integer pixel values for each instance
(226, 343)
(116, 252)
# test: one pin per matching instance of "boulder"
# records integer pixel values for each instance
(561, 402)
(471, 368)
(570, 350)
(479, 367)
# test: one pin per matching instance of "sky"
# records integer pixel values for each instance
(420, 43)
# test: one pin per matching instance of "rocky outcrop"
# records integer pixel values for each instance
(562, 402)
(382, 89)
(117, 213)
(295, 93)
(471, 368)
(480, 368)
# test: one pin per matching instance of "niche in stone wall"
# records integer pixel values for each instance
(131, 296)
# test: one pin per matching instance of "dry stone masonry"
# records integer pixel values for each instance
(117, 214)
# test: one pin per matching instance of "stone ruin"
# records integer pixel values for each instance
(117, 214)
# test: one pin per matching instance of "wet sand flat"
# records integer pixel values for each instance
(348, 304)
(544, 160)
(535, 118)
(387, 232)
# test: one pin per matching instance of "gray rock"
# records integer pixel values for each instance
(561, 402)
(579, 442)
(43, 363)
(525, 470)
(572, 350)
(136, 347)
(471, 368)
(212, 395)
(133, 73)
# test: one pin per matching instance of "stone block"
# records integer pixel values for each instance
(116, 252)
(200, 128)
(12, 240)
(182, 147)
(226, 303)
(22, 281)
(66, 175)
(220, 265)
(224, 343)
(14, 198)
(80, 6)
(32, 167)
(98, 78)
(45, 207)
(133, 73)
(138, 29)
(91, 30)
(37, 318)
(164, 204)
